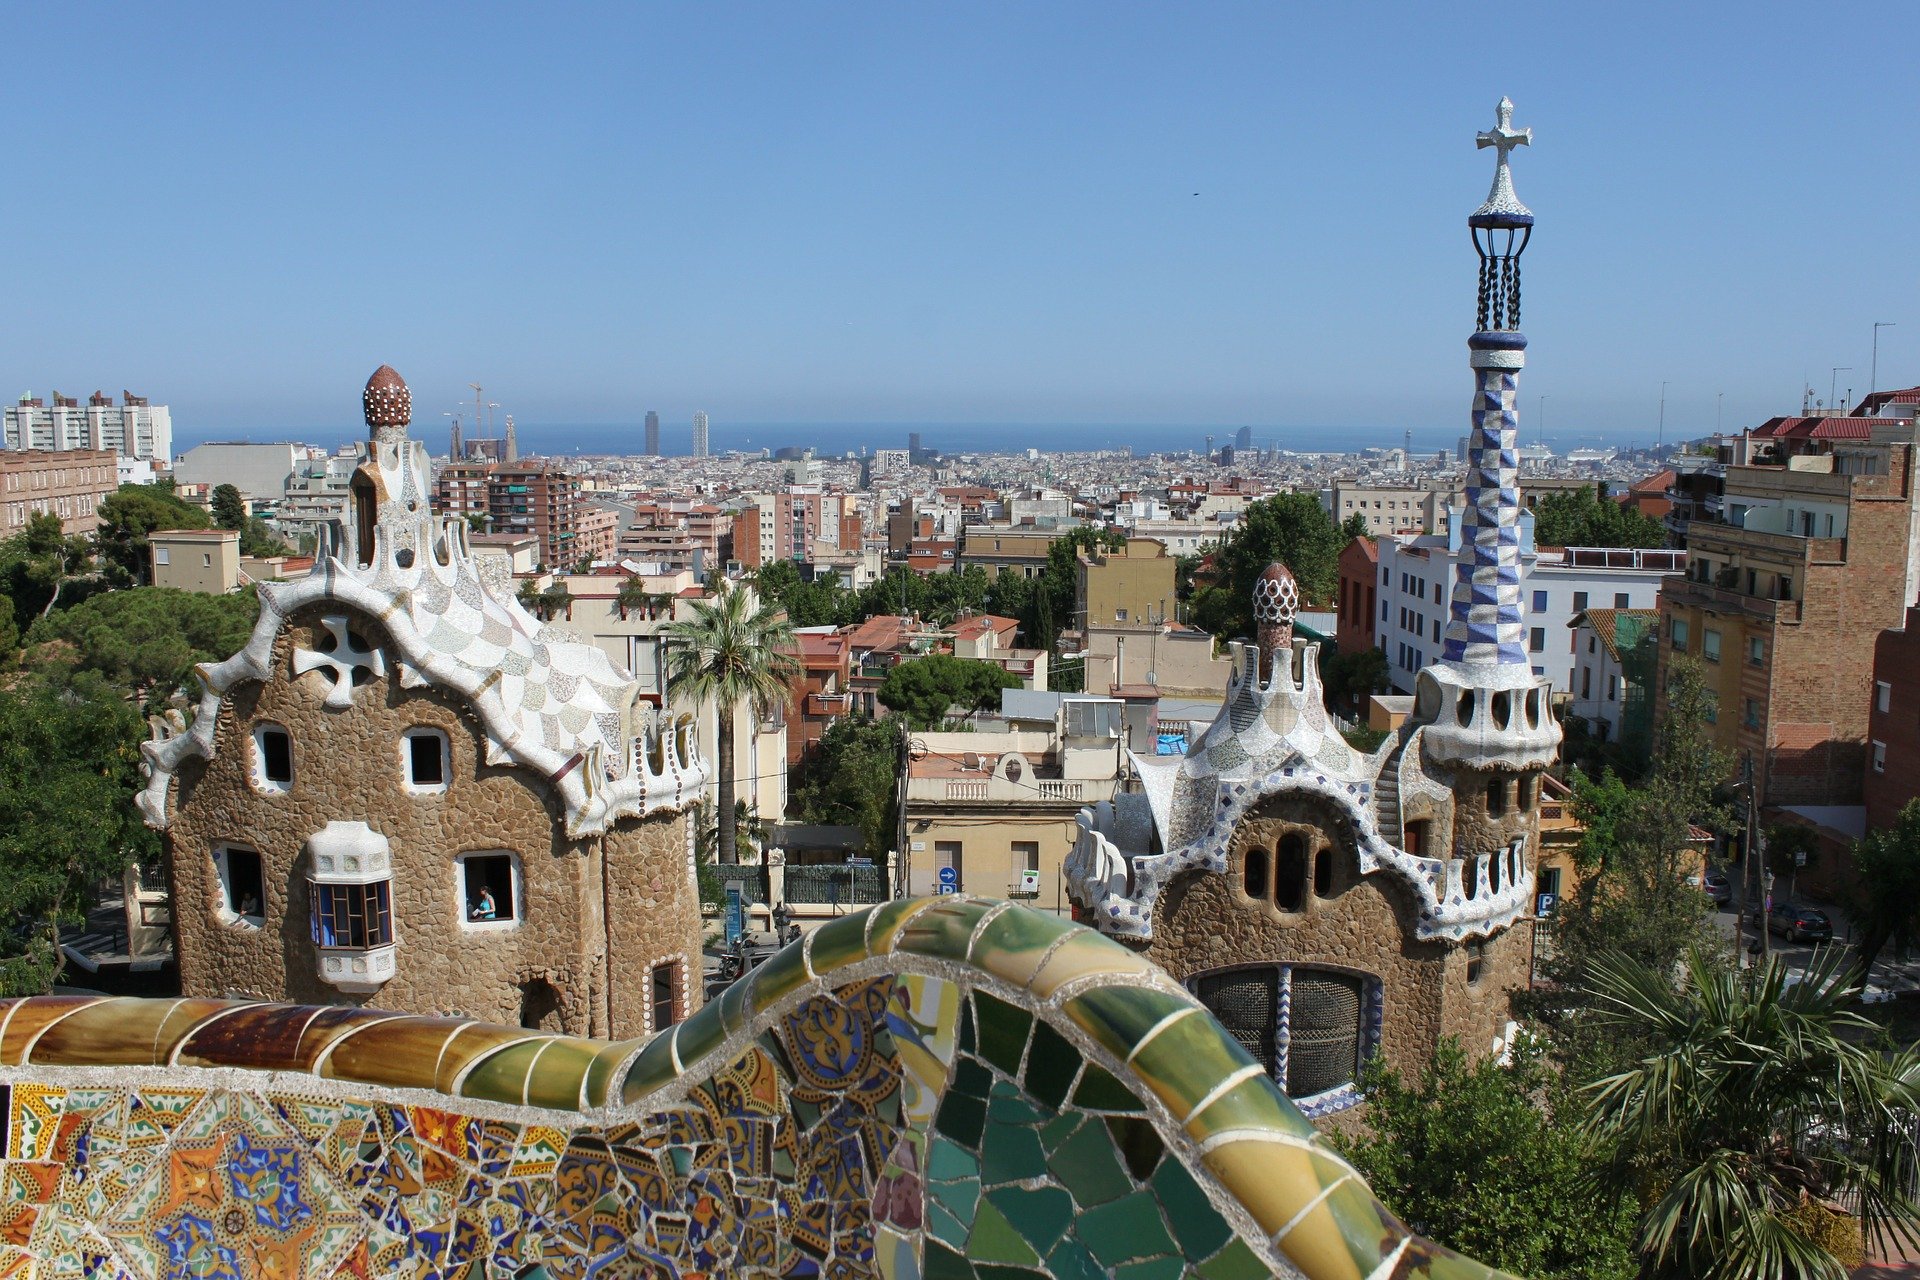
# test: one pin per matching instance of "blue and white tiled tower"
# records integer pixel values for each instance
(1482, 701)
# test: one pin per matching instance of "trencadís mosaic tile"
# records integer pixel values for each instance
(949, 1088)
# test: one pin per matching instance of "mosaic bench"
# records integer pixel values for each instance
(933, 1088)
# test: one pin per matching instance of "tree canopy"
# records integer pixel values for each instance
(126, 518)
(925, 689)
(1885, 903)
(69, 768)
(1583, 518)
(1468, 1154)
(849, 778)
(229, 509)
(1292, 528)
(36, 566)
(144, 638)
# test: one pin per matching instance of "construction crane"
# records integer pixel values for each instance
(478, 411)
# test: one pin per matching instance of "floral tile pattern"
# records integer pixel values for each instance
(903, 1097)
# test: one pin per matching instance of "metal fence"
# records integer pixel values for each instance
(836, 885)
(747, 877)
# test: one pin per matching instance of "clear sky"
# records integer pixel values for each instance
(1101, 212)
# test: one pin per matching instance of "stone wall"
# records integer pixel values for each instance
(348, 766)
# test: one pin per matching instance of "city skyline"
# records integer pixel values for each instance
(911, 217)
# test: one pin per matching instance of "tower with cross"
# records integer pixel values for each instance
(1487, 716)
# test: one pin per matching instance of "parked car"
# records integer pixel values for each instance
(1799, 924)
(1716, 885)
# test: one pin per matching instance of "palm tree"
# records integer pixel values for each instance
(1764, 1097)
(735, 649)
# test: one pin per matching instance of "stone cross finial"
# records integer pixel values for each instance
(1504, 138)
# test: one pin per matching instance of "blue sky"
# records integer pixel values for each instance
(980, 212)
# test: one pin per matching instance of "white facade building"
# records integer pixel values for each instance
(259, 471)
(1416, 577)
(134, 429)
(1599, 686)
(700, 444)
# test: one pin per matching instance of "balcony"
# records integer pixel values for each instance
(1723, 600)
(1727, 540)
(1029, 792)
(827, 704)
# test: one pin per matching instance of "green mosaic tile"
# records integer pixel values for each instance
(1014, 942)
(1052, 1063)
(1235, 1262)
(970, 1078)
(1010, 1153)
(884, 921)
(1003, 1031)
(700, 1035)
(838, 943)
(1126, 1229)
(949, 1163)
(1088, 1167)
(557, 1076)
(961, 1118)
(994, 1239)
(1187, 1060)
(944, 929)
(1255, 1103)
(1119, 1016)
(601, 1083)
(1085, 954)
(1041, 1215)
(942, 1263)
(945, 1226)
(1059, 1129)
(1197, 1225)
(1099, 1091)
(963, 1037)
(1001, 1271)
(777, 979)
(961, 1198)
(1071, 1261)
(1152, 1269)
(805, 1114)
(1437, 1262)
(736, 1006)
(1008, 1105)
(1370, 1231)
(502, 1074)
(1138, 1143)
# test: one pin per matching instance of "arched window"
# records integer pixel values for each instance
(1325, 1032)
(1290, 873)
(1323, 872)
(1502, 707)
(1496, 797)
(365, 509)
(1255, 874)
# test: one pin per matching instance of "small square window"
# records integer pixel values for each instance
(1537, 640)
(1882, 696)
(1752, 715)
(424, 755)
(206, 559)
(1879, 757)
(1710, 645)
(1678, 631)
(242, 885)
(1620, 600)
(1579, 601)
(1756, 650)
(489, 888)
(163, 555)
(1539, 602)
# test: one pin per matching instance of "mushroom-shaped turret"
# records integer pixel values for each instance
(387, 402)
(1276, 599)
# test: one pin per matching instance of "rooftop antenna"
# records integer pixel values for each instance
(1831, 381)
(1873, 379)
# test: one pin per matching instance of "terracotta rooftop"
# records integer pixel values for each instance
(980, 624)
(1818, 428)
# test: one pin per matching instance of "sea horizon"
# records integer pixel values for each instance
(835, 439)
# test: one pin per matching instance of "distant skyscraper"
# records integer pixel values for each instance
(1243, 439)
(700, 435)
(653, 434)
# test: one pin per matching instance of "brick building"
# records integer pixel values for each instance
(519, 498)
(795, 524)
(1359, 588)
(69, 483)
(1815, 552)
(407, 792)
(1893, 723)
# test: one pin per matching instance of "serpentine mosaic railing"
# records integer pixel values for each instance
(950, 1087)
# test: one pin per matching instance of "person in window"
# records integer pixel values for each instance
(484, 908)
(249, 905)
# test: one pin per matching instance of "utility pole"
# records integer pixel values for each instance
(1873, 379)
(1834, 381)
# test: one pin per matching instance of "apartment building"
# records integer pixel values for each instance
(1121, 586)
(1815, 552)
(1387, 509)
(68, 483)
(519, 498)
(135, 428)
(261, 472)
(1604, 695)
(795, 524)
(1416, 575)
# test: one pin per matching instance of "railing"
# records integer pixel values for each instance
(1051, 789)
(1758, 606)
(1667, 561)
(747, 877)
(968, 789)
(836, 885)
(829, 704)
